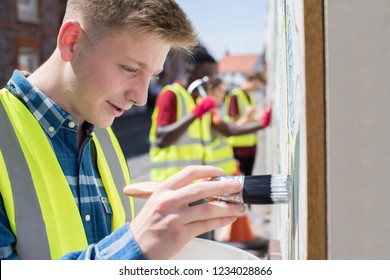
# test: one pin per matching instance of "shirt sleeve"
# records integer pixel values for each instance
(119, 245)
(233, 107)
(7, 239)
(166, 104)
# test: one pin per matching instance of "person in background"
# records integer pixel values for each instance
(180, 131)
(220, 149)
(62, 172)
(223, 157)
(240, 101)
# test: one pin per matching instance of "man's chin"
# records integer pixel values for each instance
(104, 123)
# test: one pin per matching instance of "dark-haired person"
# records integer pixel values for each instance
(178, 130)
(182, 127)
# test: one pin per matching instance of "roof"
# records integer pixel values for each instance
(238, 63)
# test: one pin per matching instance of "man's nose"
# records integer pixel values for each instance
(139, 92)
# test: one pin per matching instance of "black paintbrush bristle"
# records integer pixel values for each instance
(266, 189)
(258, 189)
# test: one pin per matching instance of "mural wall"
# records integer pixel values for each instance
(286, 146)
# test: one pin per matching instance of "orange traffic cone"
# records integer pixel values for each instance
(242, 236)
(240, 230)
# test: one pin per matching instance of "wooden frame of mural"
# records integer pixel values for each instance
(316, 129)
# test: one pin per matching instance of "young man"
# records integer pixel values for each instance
(62, 172)
(180, 133)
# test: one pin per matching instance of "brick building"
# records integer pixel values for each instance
(28, 33)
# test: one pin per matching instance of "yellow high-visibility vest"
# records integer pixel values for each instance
(189, 149)
(41, 209)
(246, 140)
(221, 155)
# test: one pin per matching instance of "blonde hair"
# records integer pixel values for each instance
(161, 18)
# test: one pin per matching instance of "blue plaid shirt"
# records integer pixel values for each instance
(80, 169)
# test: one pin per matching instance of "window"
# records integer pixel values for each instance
(28, 10)
(28, 59)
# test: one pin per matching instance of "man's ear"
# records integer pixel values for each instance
(70, 33)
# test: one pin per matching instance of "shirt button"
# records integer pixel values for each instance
(87, 218)
(71, 124)
(51, 129)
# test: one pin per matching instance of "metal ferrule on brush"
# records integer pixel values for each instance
(230, 198)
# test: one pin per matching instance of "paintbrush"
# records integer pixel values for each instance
(258, 189)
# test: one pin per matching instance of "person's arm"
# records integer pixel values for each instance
(169, 130)
(168, 134)
(244, 125)
(166, 222)
(165, 215)
(231, 129)
(119, 245)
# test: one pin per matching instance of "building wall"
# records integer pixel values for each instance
(35, 38)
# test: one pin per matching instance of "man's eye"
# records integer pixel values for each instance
(129, 69)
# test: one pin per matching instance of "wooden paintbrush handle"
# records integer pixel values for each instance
(140, 190)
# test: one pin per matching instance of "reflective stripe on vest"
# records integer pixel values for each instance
(109, 159)
(188, 149)
(29, 235)
(246, 140)
(45, 219)
(221, 155)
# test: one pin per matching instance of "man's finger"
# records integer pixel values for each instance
(190, 174)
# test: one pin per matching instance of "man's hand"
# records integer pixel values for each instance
(166, 223)
(249, 116)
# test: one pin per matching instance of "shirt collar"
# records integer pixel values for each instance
(49, 115)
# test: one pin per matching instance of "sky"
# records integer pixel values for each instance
(237, 26)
